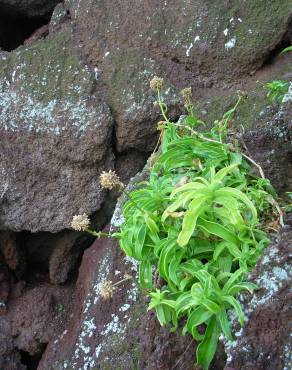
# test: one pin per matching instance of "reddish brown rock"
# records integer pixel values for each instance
(37, 316)
(265, 341)
(12, 252)
(114, 333)
(65, 255)
(271, 146)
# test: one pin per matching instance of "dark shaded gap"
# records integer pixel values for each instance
(32, 361)
(284, 43)
(16, 28)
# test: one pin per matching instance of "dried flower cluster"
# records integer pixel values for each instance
(107, 290)
(186, 93)
(80, 222)
(110, 180)
(156, 83)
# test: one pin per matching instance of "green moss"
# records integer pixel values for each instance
(254, 110)
(47, 70)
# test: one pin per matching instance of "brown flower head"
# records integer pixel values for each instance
(110, 180)
(186, 93)
(242, 94)
(80, 222)
(107, 290)
(156, 83)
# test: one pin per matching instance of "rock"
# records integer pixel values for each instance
(265, 342)
(55, 137)
(12, 252)
(109, 334)
(186, 43)
(203, 36)
(37, 316)
(65, 255)
(28, 8)
(9, 358)
(5, 285)
(271, 146)
(61, 95)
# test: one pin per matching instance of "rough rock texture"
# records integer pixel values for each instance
(117, 333)
(75, 100)
(56, 132)
(202, 35)
(67, 251)
(12, 252)
(33, 319)
(265, 341)
(61, 97)
(271, 145)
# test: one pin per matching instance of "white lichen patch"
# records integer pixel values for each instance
(273, 274)
(288, 97)
(230, 44)
(189, 49)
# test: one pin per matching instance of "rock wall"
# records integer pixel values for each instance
(75, 100)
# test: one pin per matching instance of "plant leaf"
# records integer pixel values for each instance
(207, 348)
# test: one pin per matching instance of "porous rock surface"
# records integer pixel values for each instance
(55, 136)
(265, 341)
(115, 333)
(77, 101)
(60, 97)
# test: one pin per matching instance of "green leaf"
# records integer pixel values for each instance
(223, 320)
(231, 281)
(227, 191)
(210, 305)
(224, 171)
(166, 255)
(145, 274)
(139, 242)
(236, 305)
(218, 230)
(189, 223)
(197, 317)
(207, 348)
(289, 48)
(237, 288)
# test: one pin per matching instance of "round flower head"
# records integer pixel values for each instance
(242, 94)
(107, 290)
(110, 180)
(156, 83)
(80, 222)
(186, 93)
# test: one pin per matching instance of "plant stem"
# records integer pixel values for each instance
(98, 234)
(162, 106)
(121, 281)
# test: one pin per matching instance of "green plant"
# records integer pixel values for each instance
(197, 231)
(289, 48)
(196, 227)
(288, 207)
(60, 307)
(276, 90)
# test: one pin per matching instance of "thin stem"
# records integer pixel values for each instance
(181, 356)
(98, 234)
(255, 164)
(121, 281)
(162, 106)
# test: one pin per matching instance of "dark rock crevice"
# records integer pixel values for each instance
(17, 24)
(31, 361)
(285, 41)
